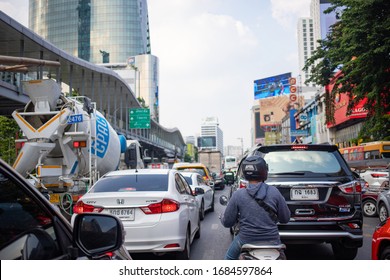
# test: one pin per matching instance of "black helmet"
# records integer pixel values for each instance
(255, 168)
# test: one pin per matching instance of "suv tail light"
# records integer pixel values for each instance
(351, 187)
(165, 206)
(243, 184)
(378, 175)
(81, 207)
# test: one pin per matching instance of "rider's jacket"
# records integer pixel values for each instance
(256, 223)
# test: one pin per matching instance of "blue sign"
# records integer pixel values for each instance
(75, 118)
(102, 137)
(298, 132)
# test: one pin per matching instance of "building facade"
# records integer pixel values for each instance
(98, 31)
(306, 46)
(113, 34)
(211, 135)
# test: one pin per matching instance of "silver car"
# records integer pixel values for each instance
(205, 197)
(383, 205)
(158, 210)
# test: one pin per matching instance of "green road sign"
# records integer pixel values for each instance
(139, 118)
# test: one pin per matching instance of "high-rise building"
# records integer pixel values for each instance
(98, 31)
(113, 34)
(310, 30)
(306, 45)
(211, 135)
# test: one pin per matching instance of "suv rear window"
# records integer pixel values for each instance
(131, 183)
(308, 161)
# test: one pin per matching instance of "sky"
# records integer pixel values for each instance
(210, 52)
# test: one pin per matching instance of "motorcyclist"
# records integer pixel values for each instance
(256, 223)
(229, 177)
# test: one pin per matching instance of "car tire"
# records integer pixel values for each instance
(383, 212)
(212, 205)
(185, 254)
(341, 252)
(201, 211)
(385, 255)
(369, 208)
(197, 234)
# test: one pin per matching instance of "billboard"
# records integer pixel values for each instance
(341, 102)
(274, 109)
(272, 86)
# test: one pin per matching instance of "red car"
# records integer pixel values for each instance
(380, 249)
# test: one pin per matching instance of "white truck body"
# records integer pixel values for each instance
(212, 159)
(67, 144)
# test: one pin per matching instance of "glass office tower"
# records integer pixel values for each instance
(99, 31)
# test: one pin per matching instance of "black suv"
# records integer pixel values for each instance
(323, 194)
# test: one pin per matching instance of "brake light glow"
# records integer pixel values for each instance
(299, 147)
(81, 207)
(165, 206)
(79, 144)
(377, 175)
(243, 184)
(353, 187)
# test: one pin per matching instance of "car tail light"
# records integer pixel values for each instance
(81, 207)
(243, 184)
(165, 206)
(173, 245)
(351, 187)
(378, 175)
(79, 144)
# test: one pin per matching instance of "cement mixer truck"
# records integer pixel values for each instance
(67, 144)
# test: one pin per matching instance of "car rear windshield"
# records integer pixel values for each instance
(302, 161)
(199, 170)
(131, 183)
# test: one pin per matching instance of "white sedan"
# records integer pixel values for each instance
(205, 197)
(157, 207)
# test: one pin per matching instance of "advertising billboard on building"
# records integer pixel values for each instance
(272, 86)
(273, 109)
(341, 102)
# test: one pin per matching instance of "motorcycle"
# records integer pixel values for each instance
(258, 250)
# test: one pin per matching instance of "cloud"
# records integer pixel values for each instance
(285, 12)
(17, 9)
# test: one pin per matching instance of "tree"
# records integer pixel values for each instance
(358, 45)
(8, 131)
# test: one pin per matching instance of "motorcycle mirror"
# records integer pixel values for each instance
(223, 200)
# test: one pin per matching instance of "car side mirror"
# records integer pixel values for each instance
(223, 200)
(211, 184)
(96, 234)
(199, 191)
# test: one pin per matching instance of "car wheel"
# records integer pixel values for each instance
(385, 255)
(212, 205)
(383, 212)
(185, 254)
(369, 208)
(197, 234)
(201, 211)
(341, 252)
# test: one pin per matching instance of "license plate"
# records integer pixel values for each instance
(123, 214)
(304, 194)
